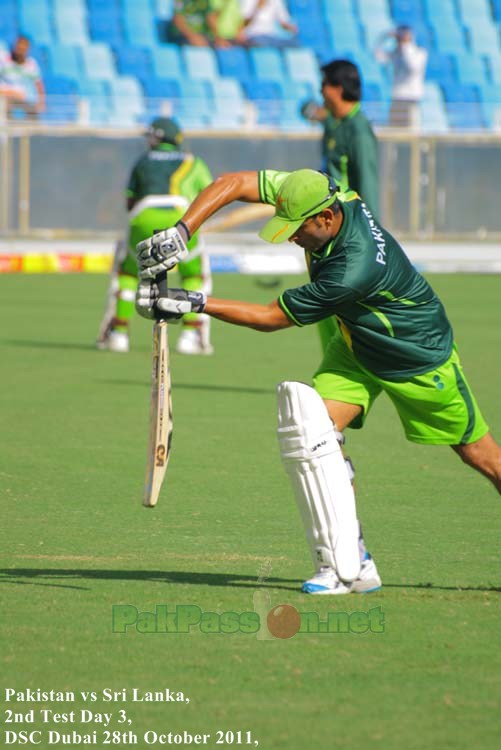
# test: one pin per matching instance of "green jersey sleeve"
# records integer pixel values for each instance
(270, 181)
(315, 301)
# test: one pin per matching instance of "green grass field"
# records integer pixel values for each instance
(75, 539)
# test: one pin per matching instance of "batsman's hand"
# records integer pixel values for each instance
(160, 253)
(169, 306)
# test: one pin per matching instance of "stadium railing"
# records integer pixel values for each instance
(68, 181)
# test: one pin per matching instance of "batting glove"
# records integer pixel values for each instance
(160, 253)
(169, 306)
(177, 302)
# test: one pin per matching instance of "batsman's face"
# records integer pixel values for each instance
(313, 233)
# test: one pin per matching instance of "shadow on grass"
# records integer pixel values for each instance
(11, 575)
(434, 587)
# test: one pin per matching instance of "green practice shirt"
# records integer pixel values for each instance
(388, 314)
(351, 155)
(165, 170)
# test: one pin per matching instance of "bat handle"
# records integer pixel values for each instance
(161, 282)
(161, 279)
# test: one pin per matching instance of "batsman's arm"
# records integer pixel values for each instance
(265, 318)
(227, 188)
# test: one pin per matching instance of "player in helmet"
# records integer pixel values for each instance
(162, 184)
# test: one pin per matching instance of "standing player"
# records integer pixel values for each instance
(161, 186)
(349, 146)
(392, 335)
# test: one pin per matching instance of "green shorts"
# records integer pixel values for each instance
(143, 225)
(435, 408)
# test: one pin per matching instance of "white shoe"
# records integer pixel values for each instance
(190, 342)
(326, 581)
(117, 341)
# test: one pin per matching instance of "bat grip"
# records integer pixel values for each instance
(161, 281)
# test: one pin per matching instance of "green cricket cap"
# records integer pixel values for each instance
(166, 130)
(303, 193)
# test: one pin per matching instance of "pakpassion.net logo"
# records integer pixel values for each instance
(281, 621)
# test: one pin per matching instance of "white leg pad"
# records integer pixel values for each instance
(315, 464)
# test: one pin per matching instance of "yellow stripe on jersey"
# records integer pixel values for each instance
(179, 175)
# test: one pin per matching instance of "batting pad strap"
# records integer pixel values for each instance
(313, 459)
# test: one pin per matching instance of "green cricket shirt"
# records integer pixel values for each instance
(388, 314)
(351, 153)
(165, 170)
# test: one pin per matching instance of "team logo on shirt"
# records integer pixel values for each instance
(377, 235)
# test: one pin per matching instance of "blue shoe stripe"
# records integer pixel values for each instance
(312, 588)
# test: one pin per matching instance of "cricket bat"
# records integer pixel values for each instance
(160, 437)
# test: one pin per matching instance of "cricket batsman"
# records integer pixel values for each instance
(392, 336)
(161, 186)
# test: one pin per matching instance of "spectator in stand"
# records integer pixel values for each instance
(226, 23)
(204, 23)
(20, 79)
(261, 19)
(409, 65)
(189, 23)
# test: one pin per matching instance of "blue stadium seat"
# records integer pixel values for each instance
(140, 30)
(265, 95)
(375, 105)
(293, 96)
(493, 62)
(376, 20)
(134, 61)
(8, 27)
(432, 108)
(441, 67)
(443, 9)
(70, 26)
(449, 37)
(105, 25)
(34, 20)
(127, 102)
(100, 5)
(101, 30)
(316, 35)
(166, 61)
(491, 104)
(301, 65)
(65, 61)
(97, 61)
(196, 97)
(484, 39)
(463, 107)
(200, 63)
(162, 88)
(163, 9)
(234, 63)
(346, 35)
(471, 69)
(97, 94)
(267, 64)
(496, 9)
(229, 109)
(60, 85)
(473, 11)
(61, 100)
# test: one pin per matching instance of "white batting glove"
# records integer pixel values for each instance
(177, 302)
(160, 253)
(172, 305)
(146, 297)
